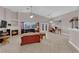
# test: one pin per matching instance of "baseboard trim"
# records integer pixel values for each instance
(77, 48)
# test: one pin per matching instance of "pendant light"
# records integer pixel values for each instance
(31, 16)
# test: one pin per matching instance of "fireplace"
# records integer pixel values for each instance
(14, 32)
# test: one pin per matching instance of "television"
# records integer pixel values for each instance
(3, 24)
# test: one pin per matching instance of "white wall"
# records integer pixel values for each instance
(65, 24)
(6, 14)
(9, 16)
(66, 18)
(1, 13)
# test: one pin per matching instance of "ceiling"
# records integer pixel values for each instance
(52, 11)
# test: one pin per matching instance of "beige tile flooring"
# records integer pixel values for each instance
(54, 43)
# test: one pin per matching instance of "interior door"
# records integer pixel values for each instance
(44, 27)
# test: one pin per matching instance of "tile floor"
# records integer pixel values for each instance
(54, 43)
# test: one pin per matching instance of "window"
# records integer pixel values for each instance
(46, 27)
(43, 27)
